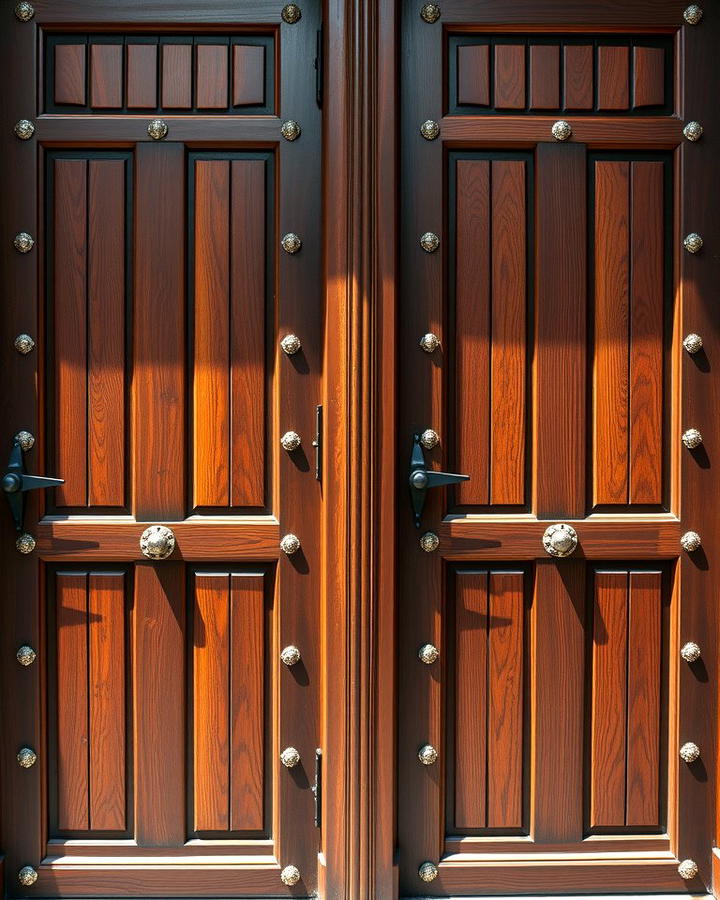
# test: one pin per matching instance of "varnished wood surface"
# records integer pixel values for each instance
(253, 130)
(525, 131)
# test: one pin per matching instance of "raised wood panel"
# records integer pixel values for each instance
(578, 76)
(544, 76)
(625, 740)
(628, 332)
(228, 701)
(473, 74)
(229, 375)
(510, 76)
(211, 67)
(70, 62)
(106, 76)
(176, 76)
(90, 736)
(87, 293)
(648, 76)
(613, 78)
(142, 74)
(248, 75)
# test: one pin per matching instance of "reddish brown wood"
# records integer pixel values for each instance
(544, 76)
(106, 76)
(613, 77)
(176, 82)
(248, 75)
(509, 76)
(142, 88)
(70, 74)
(648, 76)
(473, 74)
(211, 74)
(578, 76)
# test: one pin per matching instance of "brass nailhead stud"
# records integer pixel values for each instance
(290, 875)
(690, 652)
(290, 757)
(692, 438)
(693, 131)
(23, 242)
(27, 876)
(25, 439)
(690, 541)
(290, 344)
(291, 13)
(157, 129)
(693, 242)
(24, 344)
(429, 439)
(693, 343)
(428, 871)
(430, 12)
(291, 243)
(25, 543)
(429, 130)
(26, 758)
(290, 655)
(428, 653)
(561, 130)
(693, 14)
(290, 441)
(25, 655)
(688, 869)
(428, 755)
(429, 541)
(689, 752)
(290, 544)
(429, 242)
(24, 129)
(429, 342)
(290, 130)
(24, 11)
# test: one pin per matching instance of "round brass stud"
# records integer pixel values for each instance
(560, 540)
(429, 342)
(429, 130)
(428, 653)
(693, 14)
(27, 876)
(430, 13)
(429, 439)
(290, 655)
(693, 242)
(690, 652)
(23, 242)
(290, 757)
(290, 544)
(290, 344)
(25, 439)
(157, 129)
(290, 441)
(291, 13)
(290, 130)
(429, 541)
(26, 758)
(24, 129)
(290, 875)
(689, 752)
(291, 243)
(690, 541)
(25, 543)
(25, 655)
(692, 438)
(428, 871)
(693, 131)
(24, 344)
(692, 343)
(561, 130)
(428, 755)
(157, 542)
(429, 242)
(24, 11)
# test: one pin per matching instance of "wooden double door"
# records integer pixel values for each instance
(248, 647)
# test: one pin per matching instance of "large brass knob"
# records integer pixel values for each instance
(157, 542)
(560, 540)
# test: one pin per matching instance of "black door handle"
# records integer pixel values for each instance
(16, 482)
(422, 479)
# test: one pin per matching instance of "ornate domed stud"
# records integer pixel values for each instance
(690, 652)
(290, 757)
(429, 439)
(693, 131)
(23, 343)
(24, 129)
(23, 242)
(561, 130)
(693, 14)
(560, 540)
(157, 129)
(290, 544)
(430, 12)
(25, 543)
(27, 876)
(429, 342)
(24, 11)
(692, 343)
(290, 344)
(26, 758)
(689, 752)
(428, 755)
(291, 13)
(290, 655)
(429, 242)
(157, 542)
(428, 653)
(429, 541)
(290, 441)
(688, 869)
(429, 130)
(692, 438)
(290, 875)
(693, 242)
(690, 541)
(291, 243)
(26, 440)
(428, 871)
(26, 656)
(290, 130)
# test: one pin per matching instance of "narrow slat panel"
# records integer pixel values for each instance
(212, 76)
(508, 347)
(176, 76)
(648, 76)
(578, 76)
(473, 75)
(72, 701)
(211, 666)
(142, 89)
(106, 76)
(247, 721)
(609, 701)
(106, 333)
(544, 76)
(613, 77)
(247, 349)
(646, 329)
(70, 74)
(248, 75)
(471, 620)
(505, 692)
(610, 419)
(472, 330)
(211, 400)
(70, 327)
(644, 686)
(509, 76)
(106, 617)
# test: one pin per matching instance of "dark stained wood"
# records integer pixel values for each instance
(70, 61)
(142, 87)
(211, 73)
(648, 76)
(473, 74)
(613, 77)
(609, 132)
(578, 76)
(544, 76)
(176, 91)
(509, 76)
(248, 75)
(106, 76)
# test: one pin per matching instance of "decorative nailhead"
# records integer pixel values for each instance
(24, 129)
(157, 129)
(428, 653)
(693, 242)
(690, 652)
(291, 13)
(429, 130)
(692, 343)
(561, 130)
(290, 130)
(428, 871)
(290, 875)
(290, 655)
(25, 655)
(430, 12)
(290, 544)
(693, 14)
(291, 243)
(429, 242)
(429, 541)
(692, 438)
(693, 131)
(290, 757)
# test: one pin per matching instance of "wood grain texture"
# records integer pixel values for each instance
(70, 62)
(648, 76)
(544, 76)
(106, 76)
(176, 91)
(613, 64)
(211, 76)
(578, 76)
(473, 74)
(509, 76)
(248, 85)
(633, 133)
(142, 74)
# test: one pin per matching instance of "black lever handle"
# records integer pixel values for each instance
(422, 479)
(16, 482)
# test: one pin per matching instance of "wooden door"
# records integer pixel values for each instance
(560, 705)
(169, 263)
